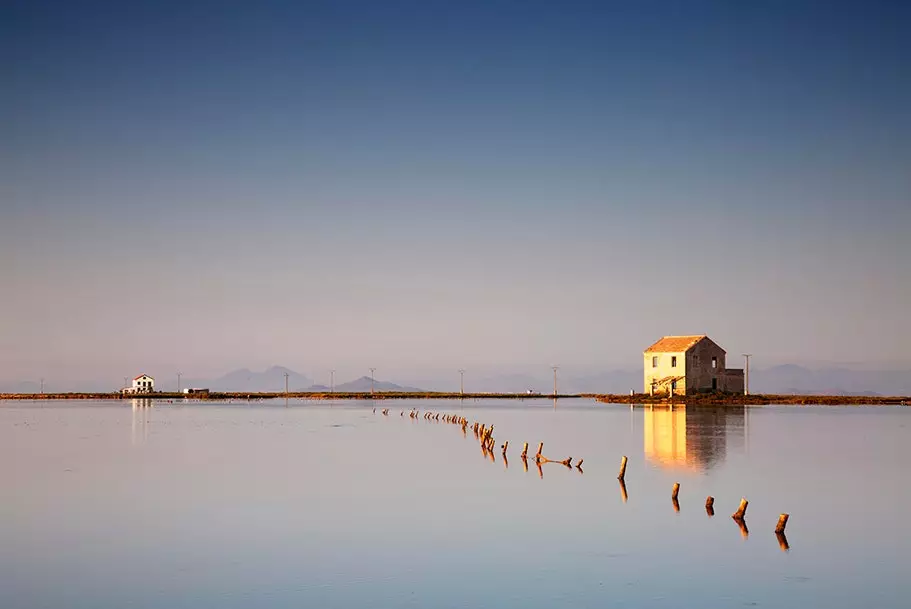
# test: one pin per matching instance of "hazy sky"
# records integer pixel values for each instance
(429, 185)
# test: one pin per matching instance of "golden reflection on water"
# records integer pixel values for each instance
(691, 438)
(142, 412)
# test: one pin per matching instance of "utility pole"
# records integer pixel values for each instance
(332, 381)
(461, 382)
(746, 374)
(555, 379)
(42, 385)
(286, 384)
(372, 379)
(178, 381)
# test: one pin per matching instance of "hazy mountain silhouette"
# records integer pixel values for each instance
(363, 384)
(830, 381)
(271, 379)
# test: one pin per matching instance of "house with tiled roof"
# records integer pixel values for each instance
(141, 384)
(684, 365)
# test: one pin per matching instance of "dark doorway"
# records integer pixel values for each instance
(714, 384)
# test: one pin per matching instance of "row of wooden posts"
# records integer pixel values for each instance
(739, 516)
(484, 434)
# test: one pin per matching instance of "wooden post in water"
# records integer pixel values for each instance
(525, 450)
(742, 510)
(623, 494)
(710, 505)
(675, 490)
(622, 474)
(505, 446)
(782, 523)
(779, 533)
(540, 449)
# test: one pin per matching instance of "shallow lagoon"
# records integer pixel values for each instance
(330, 505)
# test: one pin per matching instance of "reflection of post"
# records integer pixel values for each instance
(710, 506)
(744, 531)
(782, 541)
(540, 471)
(623, 494)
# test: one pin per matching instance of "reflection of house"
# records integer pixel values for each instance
(694, 437)
(141, 384)
(681, 365)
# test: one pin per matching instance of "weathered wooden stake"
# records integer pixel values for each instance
(622, 473)
(579, 464)
(782, 523)
(525, 450)
(505, 446)
(710, 505)
(742, 510)
(675, 490)
(540, 448)
(623, 494)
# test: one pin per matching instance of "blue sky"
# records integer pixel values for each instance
(423, 186)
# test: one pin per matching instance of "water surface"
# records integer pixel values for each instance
(329, 505)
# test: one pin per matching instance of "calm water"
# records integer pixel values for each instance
(254, 505)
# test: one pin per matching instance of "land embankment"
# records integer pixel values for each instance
(710, 399)
(701, 399)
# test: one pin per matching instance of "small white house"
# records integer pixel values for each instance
(141, 384)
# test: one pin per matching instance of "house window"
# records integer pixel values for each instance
(654, 361)
(673, 361)
(714, 362)
(673, 385)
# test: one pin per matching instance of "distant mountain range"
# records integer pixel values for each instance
(364, 384)
(271, 379)
(785, 379)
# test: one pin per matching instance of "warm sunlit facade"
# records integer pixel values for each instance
(682, 365)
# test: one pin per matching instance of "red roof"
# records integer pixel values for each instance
(142, 375)
(675, 344)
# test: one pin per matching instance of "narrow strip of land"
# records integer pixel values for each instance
(700, 399)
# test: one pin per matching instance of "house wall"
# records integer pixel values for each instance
(699, 366)
(733, 380)
(663, 371)
(145, 383)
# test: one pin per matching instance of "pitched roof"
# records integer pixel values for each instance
(142, 375)
(674, 344)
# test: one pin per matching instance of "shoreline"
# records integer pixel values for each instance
(639, 399)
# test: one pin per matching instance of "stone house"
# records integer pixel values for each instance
(684, 365)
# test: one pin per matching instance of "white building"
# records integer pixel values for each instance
(141, 384)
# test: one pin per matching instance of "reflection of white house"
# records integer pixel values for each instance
(141, 384)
